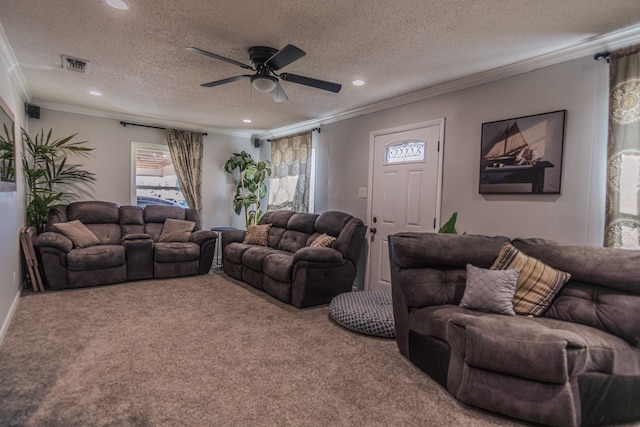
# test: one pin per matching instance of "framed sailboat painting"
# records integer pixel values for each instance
(522, 155)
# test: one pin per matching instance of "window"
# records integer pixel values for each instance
(404, 152)
(154, 178)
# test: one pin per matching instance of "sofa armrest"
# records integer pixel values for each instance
(229, 236)
(318, 254)
(136, 236)
(54, 240)
(202, 236)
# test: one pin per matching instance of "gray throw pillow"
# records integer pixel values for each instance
(78, 233)
(176, 230)
(490, 290)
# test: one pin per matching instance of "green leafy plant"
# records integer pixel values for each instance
(49, 179)
(450, 226)
(251, 186)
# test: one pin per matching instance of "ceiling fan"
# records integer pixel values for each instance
(265, 61)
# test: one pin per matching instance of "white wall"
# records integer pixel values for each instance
(576, 215)
(11, 218)
(111, 161)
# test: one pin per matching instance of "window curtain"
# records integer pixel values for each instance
(622, 220)
(291, 173)
(186, 154)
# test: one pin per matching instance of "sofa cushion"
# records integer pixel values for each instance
(607, 309)
(257, 235)
(176, 251)
(94, 212)
(254, 256)
(96, 257)
(293, 241)
(538, 283)
(176, 230)
(304, 222)
(323, 240)
(234, 250)
(490, 290)
(78, 233)
(520, 347)
(279, 266)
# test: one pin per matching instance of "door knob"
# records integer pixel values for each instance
(373, 230)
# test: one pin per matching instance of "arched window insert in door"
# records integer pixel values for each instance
(405, 152)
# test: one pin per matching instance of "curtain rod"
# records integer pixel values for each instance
(601, 55)
(124, 124)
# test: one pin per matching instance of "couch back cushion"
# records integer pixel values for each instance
(299, 228)
(431, 267)
(604, 290)
(155, 215)
(131, 219)
(278, 221)
(102, 218)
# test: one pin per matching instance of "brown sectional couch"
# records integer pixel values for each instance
(129, 245)
(576, 364)
(288, 268)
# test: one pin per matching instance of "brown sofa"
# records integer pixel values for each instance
(288, 267)
(578, 363)
(128, 247)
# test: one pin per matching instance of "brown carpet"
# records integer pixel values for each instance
(205, 351)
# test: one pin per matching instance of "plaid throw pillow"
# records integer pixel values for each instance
(257, 235)
(323, 240)
(537, 283)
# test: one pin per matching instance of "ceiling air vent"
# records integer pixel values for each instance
(75, 64)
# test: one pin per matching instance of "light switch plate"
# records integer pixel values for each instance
(362, 192)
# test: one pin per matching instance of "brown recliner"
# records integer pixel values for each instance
(128, 249)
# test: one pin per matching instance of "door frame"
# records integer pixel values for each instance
(372, 138)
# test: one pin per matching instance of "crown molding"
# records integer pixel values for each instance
(610, 41)
(139, 119)
(11, 64)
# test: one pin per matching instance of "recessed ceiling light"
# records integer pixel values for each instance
(95, 93)
(247, 120)
(117, 4)
(358, 82)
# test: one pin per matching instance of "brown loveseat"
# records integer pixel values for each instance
(288, 265)
(132, 244)
(576, 363)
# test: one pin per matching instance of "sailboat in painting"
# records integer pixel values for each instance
(511, 149)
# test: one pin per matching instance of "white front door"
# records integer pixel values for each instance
(405, 180)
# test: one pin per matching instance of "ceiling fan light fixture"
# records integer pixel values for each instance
(264, 83)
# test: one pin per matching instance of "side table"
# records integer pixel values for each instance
(217, 256)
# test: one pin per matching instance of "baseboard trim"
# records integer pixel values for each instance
(7, 320)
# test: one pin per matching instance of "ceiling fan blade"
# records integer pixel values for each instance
(224, 81)
(308, 81)
(284, 57)
(221, 58)
(278, 94)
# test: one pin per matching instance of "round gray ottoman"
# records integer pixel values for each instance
(368, 312)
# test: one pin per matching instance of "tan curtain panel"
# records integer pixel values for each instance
(622, 220)
(291, 173)
(186, 154)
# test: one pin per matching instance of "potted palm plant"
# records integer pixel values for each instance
(49, 178)
(251, 186)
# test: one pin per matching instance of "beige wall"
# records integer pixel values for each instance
(112, 160)
(11, 218)
(576, 215)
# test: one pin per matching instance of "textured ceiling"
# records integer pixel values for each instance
(140, 63)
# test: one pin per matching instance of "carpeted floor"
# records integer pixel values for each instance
(204, 351)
